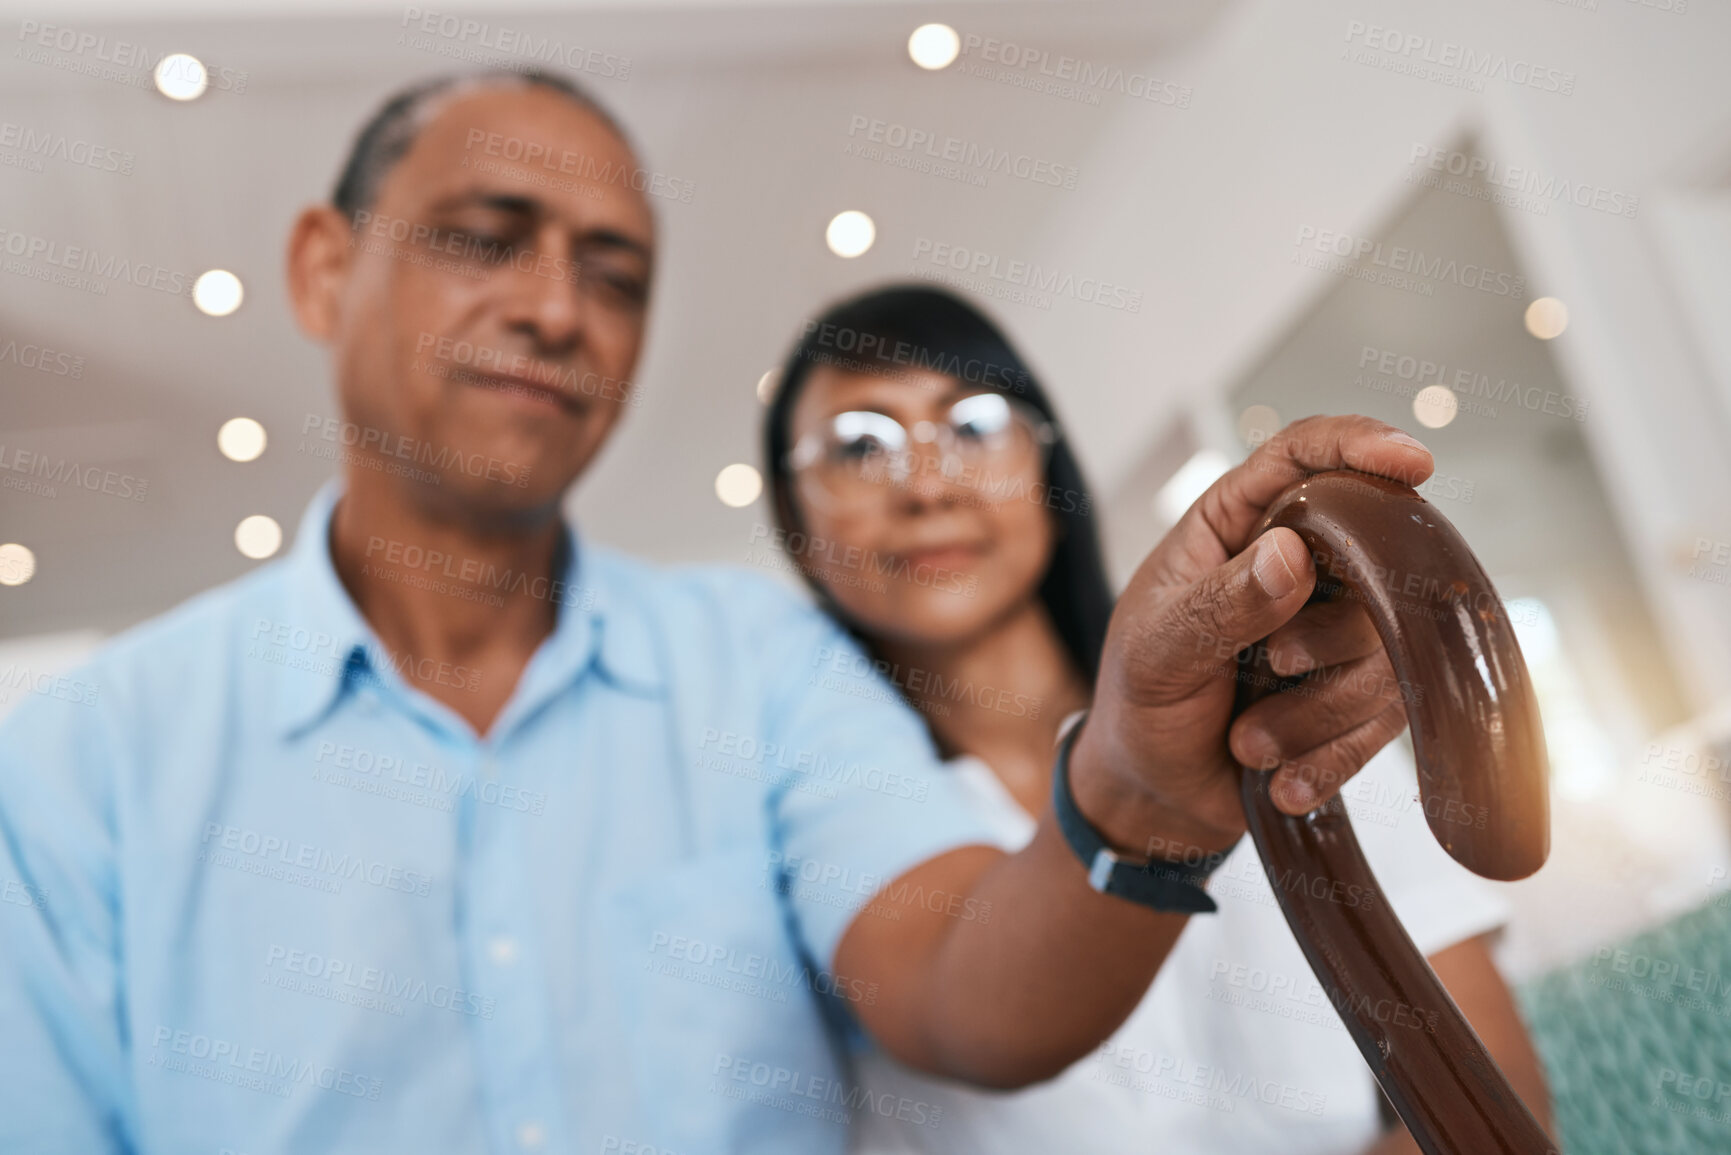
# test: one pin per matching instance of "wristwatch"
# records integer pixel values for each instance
(1157, 884)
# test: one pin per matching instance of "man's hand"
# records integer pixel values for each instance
(1156, 766)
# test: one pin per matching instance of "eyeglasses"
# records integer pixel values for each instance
(861, 454)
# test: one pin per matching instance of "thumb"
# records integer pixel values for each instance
(1244, 600)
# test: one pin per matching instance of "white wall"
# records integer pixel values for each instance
(1285, 133)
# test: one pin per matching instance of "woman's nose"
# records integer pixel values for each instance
(935, 475)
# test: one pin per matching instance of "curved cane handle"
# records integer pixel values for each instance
(1481, 757)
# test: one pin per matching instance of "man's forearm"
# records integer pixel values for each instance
(1016, 997)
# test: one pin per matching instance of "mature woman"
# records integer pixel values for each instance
(925, 489)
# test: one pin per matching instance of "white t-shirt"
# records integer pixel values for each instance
(1236, 1047)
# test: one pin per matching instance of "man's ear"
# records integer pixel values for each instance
(319, 253)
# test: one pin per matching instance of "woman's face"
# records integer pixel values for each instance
(935, 543)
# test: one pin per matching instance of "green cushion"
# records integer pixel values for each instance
(1636, 1040)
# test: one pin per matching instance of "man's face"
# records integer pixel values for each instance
(493, 308)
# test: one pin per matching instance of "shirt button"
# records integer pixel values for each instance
(530, 1136)
(503, 950)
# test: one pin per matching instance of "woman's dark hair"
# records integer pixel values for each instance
(904, 328)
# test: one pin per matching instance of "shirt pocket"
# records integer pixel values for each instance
(722, 1018)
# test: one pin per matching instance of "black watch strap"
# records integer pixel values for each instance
(1157, 884)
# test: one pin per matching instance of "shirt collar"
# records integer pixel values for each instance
(322, 635)
(325, 647)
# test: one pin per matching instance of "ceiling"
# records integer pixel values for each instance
(1194, 208)
(750, 102)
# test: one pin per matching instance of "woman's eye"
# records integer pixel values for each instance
(972, 431)
(860, 448)
(980, 417)
(980, 432)
(861, 435)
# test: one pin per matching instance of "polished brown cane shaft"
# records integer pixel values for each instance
(1481, 759)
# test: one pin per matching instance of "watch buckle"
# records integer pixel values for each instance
(1100, 872)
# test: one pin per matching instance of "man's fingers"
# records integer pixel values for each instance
(1232, 505)
(1333, 701)
(1302, 784)
(1327, 634)
(1235, 604)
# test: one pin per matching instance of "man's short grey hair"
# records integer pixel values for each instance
(387, 137)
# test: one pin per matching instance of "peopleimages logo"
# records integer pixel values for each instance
(298, 648)
(345, 977)
(45, 472)
(90, 54)
(42, 359)
(76, 258)
(470, 362)
(975, 263)
(468, 38)
(468, 254)
(406, 448)
(1068, 76)
(588, 170)
(63, 687)
(394, 776)
(1204, 1084)
(761, 974)
(58, 146)
(782, 761)
(471, 571)
(815, 1096)
(933, 146)
(1523, 179)
(1471, 383)
(1460, 59)
(224, 845)
(1410, 263)
(865, 348)
(256, 1068)
(23, 894)
(925, 683)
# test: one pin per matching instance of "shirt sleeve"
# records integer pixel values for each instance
(63, 1081)
(1439, 901)
(868, 799)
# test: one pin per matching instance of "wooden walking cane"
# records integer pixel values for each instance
(1480, 751)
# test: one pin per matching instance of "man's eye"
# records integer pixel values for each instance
(630, 286)
(476, 244)
(486, 246)
(626, 284)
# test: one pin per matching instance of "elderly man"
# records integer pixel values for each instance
(453, 831)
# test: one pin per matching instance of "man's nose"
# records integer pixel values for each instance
(544, 298)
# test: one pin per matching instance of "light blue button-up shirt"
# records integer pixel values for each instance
(263, 895)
